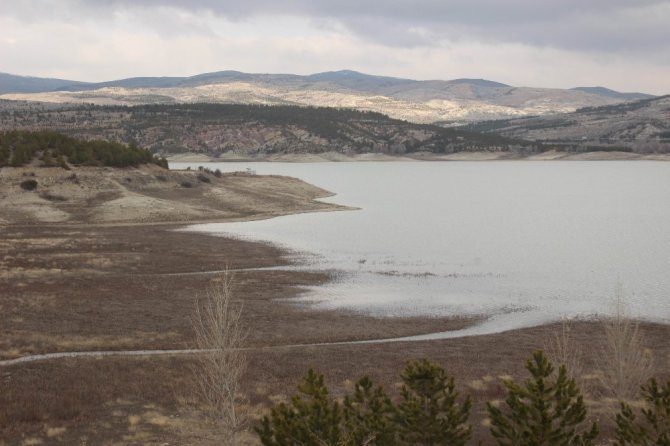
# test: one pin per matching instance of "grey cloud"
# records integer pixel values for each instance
(600, 25)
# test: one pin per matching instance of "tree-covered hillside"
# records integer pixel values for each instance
(642, 126)
(48, 148)
(249, 129)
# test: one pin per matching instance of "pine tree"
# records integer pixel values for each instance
(546, 410)
(656, 427)
(313, 421)
(369, 415)
(429, 413)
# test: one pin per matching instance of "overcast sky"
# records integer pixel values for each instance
(620, 44)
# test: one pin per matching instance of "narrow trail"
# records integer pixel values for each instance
(102, 353)
(492, 325)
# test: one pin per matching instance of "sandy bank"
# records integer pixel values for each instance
(149, 195)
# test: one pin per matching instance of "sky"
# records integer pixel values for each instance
(620, 44)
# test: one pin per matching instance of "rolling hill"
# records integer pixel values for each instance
(642, 126)
(248, 129)
(429, 101)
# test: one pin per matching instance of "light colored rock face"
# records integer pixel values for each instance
(421, 102)
(643, 124)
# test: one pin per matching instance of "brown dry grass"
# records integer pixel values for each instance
(111, 305)
(94, 398)
(143, 291)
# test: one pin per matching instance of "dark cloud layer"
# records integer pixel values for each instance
(586, 25)
(622, 44)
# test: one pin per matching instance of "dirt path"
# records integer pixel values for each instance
(67, 355)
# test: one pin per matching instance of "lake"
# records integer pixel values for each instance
(521, 243)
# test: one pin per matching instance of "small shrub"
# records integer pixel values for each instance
(52, 197)
(28, 185)
(62, 163)
(654, 429)
(217, 173)
(204, 178)
(186, 184)
(161, 178)
(47, 160)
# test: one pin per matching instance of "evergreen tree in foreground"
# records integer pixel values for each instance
(655, 430)
(310, 419)
(546, 410)
(369, 415)
(429, 413)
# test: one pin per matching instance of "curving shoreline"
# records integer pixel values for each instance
(99, 314)
(550, 155)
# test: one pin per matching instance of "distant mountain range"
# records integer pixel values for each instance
(433, 101)
(602, 91)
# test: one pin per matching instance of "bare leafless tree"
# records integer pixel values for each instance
(626, 363)
(222, 362)
(562, 349)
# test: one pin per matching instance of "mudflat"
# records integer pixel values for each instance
(130, 282)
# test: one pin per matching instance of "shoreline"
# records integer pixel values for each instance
(551, 155)
(166, 257)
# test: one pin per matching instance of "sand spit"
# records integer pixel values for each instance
(149, 194)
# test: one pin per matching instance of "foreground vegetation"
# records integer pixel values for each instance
(547, 409)
(19, 148)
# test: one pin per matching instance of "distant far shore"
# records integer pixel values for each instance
(551, 155)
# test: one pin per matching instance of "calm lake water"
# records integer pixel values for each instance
(521, 243)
